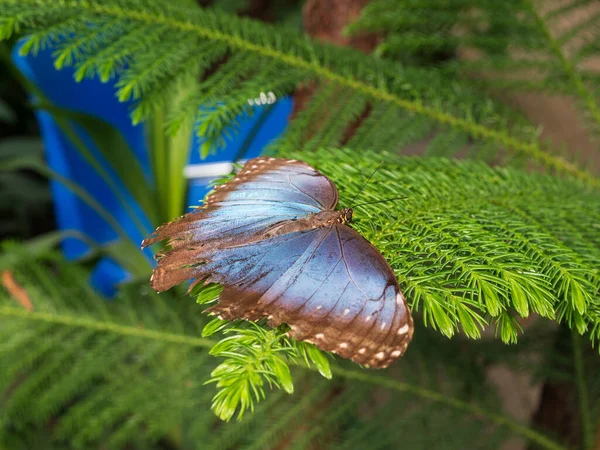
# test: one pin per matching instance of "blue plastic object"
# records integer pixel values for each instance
(92, 97)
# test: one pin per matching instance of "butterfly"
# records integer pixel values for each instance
(272, 239)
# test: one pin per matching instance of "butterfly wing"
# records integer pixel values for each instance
(356, 308)
(330, 285)
(265, 192)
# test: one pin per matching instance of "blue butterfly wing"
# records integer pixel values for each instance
(329, 284)
(266, 192)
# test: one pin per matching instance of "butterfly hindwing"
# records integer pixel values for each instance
(328, 284)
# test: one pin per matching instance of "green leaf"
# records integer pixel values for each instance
(318, 358)
(21, 147)
(470, 321)
(134, 262)
(492, 302)
(206, 293)
(578, 298)
(508, 327)
(7, 115)
(214, 326)
(519, 299)
(7, 27)
(282, 371)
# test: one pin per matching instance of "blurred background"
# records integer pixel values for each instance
(81, 185)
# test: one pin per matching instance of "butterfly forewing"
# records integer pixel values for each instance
(267, 191)
(323, 279)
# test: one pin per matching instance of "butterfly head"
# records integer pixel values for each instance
(346, 215)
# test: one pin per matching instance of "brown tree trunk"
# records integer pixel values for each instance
(558, 412)
(325, 20)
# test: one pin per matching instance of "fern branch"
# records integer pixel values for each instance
(568, 68)
(103, 326)
(514, 39)
(446, 247)
(116, 329)
(314, 60)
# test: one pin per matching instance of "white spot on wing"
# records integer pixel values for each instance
(319, 307)
(383, 325)
(396, 353)
(343, 345)
(403, 329)
(399, 299)
(319, 335)
(380, 355)
(346, 311)
(362, 350)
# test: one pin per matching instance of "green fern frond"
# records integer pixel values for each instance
(516, 36)
(106, 371)
(222, 105)
(472, 246)
(113, 57)
(255, 358)
(474, 242)
(425, 93)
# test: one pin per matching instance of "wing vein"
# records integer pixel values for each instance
(305, 193)
(300, 270)
(346, 265)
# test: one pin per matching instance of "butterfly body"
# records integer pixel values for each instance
(316, 220)
(272, 238)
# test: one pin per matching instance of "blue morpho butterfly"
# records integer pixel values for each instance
(270, 236)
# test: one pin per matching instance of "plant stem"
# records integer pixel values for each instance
(93, 324)
(584, 407)
(179, 147)
(157, 154)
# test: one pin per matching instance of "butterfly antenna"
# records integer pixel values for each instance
(365, 183)
(380, 201)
